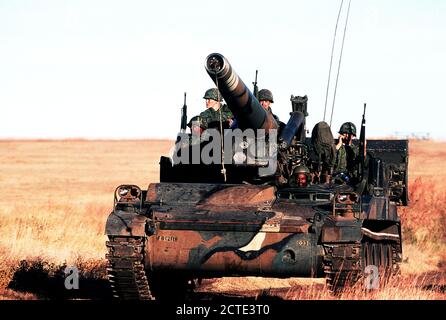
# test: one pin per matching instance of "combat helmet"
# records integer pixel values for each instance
(213, 94)
(349, 128)
(301, 169)
(265, 94)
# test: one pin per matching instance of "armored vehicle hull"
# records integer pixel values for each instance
(197, 223)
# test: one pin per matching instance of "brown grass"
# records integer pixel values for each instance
(56, 196)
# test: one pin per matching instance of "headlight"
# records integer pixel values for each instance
(128, 193)
(347, 198)
(123, 192)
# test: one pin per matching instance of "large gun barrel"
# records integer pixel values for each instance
(245, 107)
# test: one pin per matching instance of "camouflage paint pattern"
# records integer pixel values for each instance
(212, 228)
(230, 230)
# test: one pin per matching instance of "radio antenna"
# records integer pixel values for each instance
(340, 60)
(331, 59)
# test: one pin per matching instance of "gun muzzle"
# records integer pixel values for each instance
(243, 104)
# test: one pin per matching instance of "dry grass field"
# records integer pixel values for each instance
(56, 196)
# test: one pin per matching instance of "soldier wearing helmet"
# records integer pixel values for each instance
(210, 118)
(265, 98)
(213, 94)
(346, 152)
(300, 177)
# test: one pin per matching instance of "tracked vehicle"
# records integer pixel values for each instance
(248, 216)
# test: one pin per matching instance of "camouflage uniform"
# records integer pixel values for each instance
(347, 156)
(347, 159)
(211, 118)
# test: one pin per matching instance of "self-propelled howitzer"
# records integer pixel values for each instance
(193, 224)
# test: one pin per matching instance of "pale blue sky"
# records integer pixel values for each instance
(118, 69)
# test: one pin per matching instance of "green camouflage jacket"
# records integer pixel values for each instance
(347, 159)
(211, 118)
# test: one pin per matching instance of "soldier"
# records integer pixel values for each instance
(300, 176)
(265, 99)
(347, 158)
(210, 118)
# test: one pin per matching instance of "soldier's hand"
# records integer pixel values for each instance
(340, 141)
